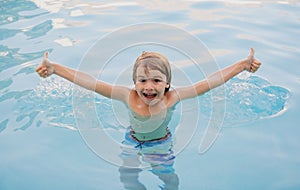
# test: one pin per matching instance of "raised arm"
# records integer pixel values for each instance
(216, 79)
(47, 68)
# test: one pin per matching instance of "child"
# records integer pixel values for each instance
(150, 105)
(151, 99)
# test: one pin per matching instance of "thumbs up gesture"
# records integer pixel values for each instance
(46, 68)
(251, 64)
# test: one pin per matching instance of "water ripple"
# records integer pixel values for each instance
(7, 33)
(39, 30)
(10, 10)
(13, 57)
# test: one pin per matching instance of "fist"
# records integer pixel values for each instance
(46, 68)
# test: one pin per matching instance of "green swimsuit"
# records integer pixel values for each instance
(149, 128)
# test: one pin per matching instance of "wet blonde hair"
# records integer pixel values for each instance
(153, 61)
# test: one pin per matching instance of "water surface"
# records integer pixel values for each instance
(258, 147)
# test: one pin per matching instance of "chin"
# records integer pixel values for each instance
(151, 102)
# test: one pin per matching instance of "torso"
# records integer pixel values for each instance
(149, 122)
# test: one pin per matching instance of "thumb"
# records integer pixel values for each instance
(46, 55)
(251, 56)
(45, 58)
(252, 51)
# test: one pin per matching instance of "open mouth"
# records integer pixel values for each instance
(149, 96)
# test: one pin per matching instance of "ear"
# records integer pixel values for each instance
(168, 85)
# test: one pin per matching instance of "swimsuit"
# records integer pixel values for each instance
(152, 151)
(150, 128)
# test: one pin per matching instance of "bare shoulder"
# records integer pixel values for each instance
(171, 97)
(121, 93)
(132, 95)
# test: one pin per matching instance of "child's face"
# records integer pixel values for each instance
(150, 85)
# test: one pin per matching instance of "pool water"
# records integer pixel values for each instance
(258, 146)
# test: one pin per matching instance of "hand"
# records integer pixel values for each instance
(46, 68)
(251, 64)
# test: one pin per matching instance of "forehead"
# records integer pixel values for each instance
(143, 71)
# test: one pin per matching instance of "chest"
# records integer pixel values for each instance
(143, 109)
(150, 123)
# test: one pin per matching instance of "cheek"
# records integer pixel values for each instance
(161, 91)
(138, 86)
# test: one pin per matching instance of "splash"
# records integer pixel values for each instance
(49, 104)
(248, 99)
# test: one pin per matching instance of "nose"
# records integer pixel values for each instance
(149, 85)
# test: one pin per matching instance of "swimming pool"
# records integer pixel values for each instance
(257, 148)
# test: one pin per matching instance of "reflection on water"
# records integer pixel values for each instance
(39, 30)
(12, 57)
(130, 177)
(10, 10)
(157, 155)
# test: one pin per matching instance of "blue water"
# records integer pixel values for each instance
(257, 148)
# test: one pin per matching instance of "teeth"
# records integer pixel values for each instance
(149, 95)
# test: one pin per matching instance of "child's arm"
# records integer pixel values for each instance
(47, 68)
(249, 64)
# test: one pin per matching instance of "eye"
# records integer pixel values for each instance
(157, 80)
(142, 80)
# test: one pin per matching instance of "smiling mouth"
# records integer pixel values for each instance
(150, 95)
